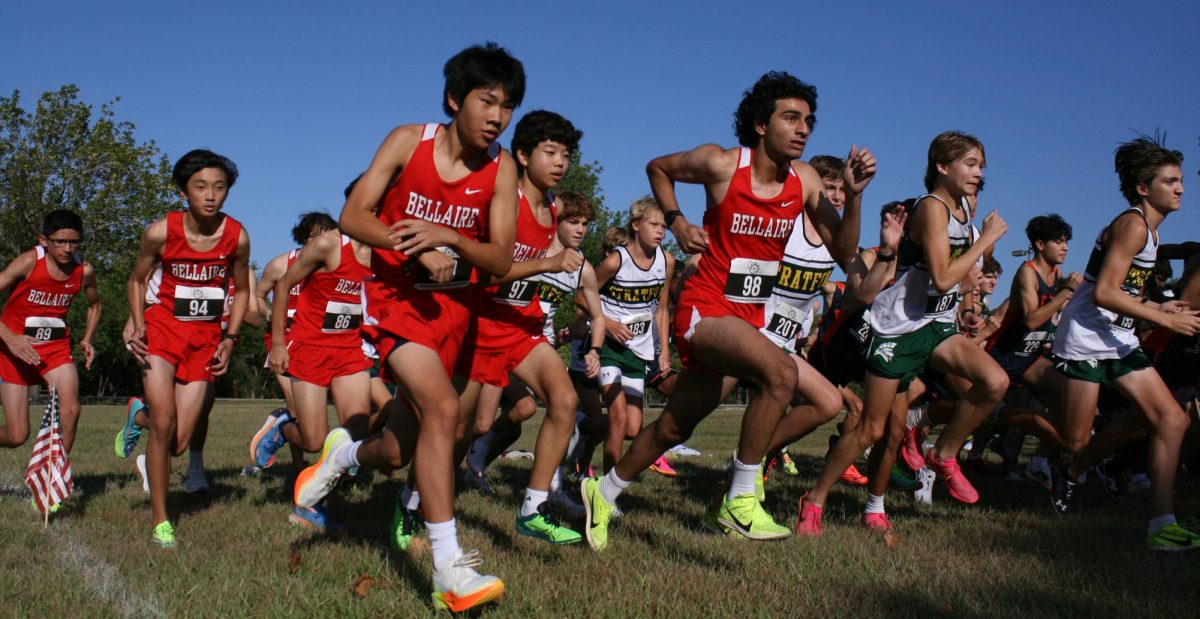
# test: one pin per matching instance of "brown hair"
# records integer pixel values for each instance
(828, 166)
(946, 148)
(572, 204)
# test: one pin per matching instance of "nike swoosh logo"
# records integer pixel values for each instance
(471, 192)
(744, 525)
(787, 204)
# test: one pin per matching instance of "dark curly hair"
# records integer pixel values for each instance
(312, 221)
(1046, 228)
(758, 103)
(1137, 162)
(539, 126)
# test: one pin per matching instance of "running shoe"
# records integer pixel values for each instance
(545, 526)
(760, 489)
(141, 467)
(947, 468)
(910, 450)
(789, 465)
(711, 523)
(567, 506)
(744, 515)
(269, 439)
(1063, 492)
(314, 482)
(1173, 538)
(459, 587)
(196, 480)
(876, 522)
(164, 535)
(1139, 482)
(54, 509)
(900, 480)
(1110, 483)
(312, 517)
(808, 521)
(663, 467)
(852, 477)
(478, 482)
(597, 511)
(924, 494)
(404, 526)
(1038, 472)
(127, 436)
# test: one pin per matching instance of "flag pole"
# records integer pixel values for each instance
(53, 420)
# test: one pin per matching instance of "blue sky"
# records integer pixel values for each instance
(299, 94)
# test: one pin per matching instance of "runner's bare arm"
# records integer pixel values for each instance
(591, 292)
(1126, 237)
(605, 272)
(92, 294)
(708, 165)
(566, 261)
(241, 298)
(662, 317)
(928, 229)
(875, 274)
(149, 253)
(315, 254)
(18, 343)
(840, 233)
(254, 312)
(266, 284)
(1025, 297)
(359, 219)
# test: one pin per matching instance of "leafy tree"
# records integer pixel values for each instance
(67, 154)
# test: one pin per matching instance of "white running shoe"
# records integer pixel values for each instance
(141, 467)
(924, 494)
(566, 505)
(195, 480)
(459, 587)
(316, 481)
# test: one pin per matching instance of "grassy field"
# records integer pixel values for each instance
(238, 556)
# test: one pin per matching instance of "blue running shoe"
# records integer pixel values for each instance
(127, 437)
(269, 438)
(312, 517)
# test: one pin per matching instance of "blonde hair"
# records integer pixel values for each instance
(613, 238)
(641, 209)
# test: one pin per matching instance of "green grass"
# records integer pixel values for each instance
(1008, 556)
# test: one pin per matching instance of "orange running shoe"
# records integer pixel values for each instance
(852, 477)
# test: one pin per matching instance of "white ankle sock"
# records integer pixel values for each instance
(348, 457)
(611, 486)
(917, 417)
(556, 481)
(1159, 522)
(874, 504)
(410, 499)
(533, 500)
(742, 479)
(443, 539)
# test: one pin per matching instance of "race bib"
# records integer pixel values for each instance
(519, 293)
(1033, 341)
(460, 279)
(45, 329)
(750, 281)
(341, 317)
(941, 303)
(638, 324)
(861, 329)
(1123, 323)
(199, 303)
(785, 322)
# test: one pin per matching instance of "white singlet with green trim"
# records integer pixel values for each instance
(552, 290)
(1087, 331)
(802, 274)
(911, 302)
(631, 297)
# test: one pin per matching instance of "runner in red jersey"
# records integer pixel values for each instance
(451, 211)
(35, 346)
(310, 225)
(721, 307)
(510, 322)
(178, 341)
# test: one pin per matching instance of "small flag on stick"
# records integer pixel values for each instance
(49, 472)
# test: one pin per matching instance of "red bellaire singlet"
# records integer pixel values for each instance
(194, 283)
(420, 193)
(329, 311)
(747, 236)
(38, 304)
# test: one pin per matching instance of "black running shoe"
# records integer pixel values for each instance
(1063, 490)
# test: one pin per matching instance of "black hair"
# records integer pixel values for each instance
(197, 160)
(481, 66)
(539, 126)
(61, 219)
(350, 188)
(1046, 228)
(1137, 162)
(758, 103)
(310, 222)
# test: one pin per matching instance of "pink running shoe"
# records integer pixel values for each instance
(910, 450)
(876, 522)
(808, 523)
(851, 477)
(663, 467)
(958, 485)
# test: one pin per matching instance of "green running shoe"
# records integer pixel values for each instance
(1173, 538)
(545, 526)
(899, 480)
(712, 524)
(164, 535)
(128, 435)
(760, 490)
(404, 526)
(745, 516)
(789, 465)
(598, 512)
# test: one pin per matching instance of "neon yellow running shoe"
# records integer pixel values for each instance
(789, 465)
(760, 490)
(745, 516)
(1173, 538)
(598, 512)
(164, 535)
(544, 525)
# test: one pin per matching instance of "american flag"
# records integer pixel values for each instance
(49, 471)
